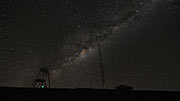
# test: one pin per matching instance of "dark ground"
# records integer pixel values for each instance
(29, 94)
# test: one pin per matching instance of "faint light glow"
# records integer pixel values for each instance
(42, 86)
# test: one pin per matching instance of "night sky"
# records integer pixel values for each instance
(139, 43)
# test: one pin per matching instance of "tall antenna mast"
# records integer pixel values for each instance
(101, 66)
(99, 46)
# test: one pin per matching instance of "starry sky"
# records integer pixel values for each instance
(139, 42)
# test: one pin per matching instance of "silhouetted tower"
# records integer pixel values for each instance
(101, 66)
(100, 18)
(42, 80)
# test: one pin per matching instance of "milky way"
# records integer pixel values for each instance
(139, 42)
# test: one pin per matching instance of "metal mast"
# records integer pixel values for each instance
(101, 66)
(99, 46)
